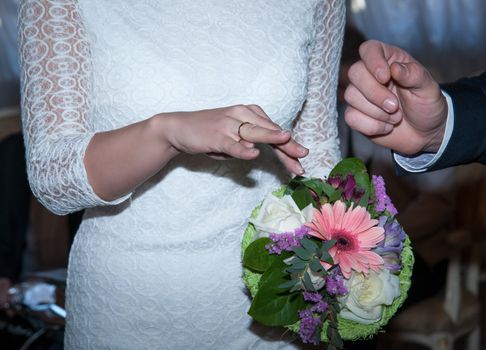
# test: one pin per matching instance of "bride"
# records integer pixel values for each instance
(128, 108)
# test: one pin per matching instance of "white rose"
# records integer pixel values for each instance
(368, 294)
(279, 215)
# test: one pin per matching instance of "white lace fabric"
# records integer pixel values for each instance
(317, 126)
(55, 104)
(162, 270)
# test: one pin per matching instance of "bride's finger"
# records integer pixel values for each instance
(292, 164)
(257, 134)
(246, 114)
(293, 149)
(238, 150)
(265, 119)
(247, 144)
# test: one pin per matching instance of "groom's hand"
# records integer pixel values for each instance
(394, 100)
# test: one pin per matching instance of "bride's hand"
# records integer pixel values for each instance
(230, 131)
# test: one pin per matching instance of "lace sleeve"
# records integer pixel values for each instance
(55, 71)
(316, 127)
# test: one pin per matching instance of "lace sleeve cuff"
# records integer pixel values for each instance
(64, 187)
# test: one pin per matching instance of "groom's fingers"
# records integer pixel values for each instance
(366, 124)
(357, 100)
(374, 56)
(372, 90)
(414, 76)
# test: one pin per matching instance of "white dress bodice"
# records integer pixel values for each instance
(160, 267)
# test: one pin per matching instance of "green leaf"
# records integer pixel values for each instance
(357, 168)
(292, 270)
(302, 198)
(316, 266)
(338, 341)
(309, 245)
(316, 185)
(326, 257)
(271, 306)
(289, 284)
(308, 282)
(302, 253)
(295, 183)
(335, 196)
(349, 166)
(256, 257)
(328, 244)
(328, 189)
(298, 263)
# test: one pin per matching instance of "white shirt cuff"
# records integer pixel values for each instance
(424, 161)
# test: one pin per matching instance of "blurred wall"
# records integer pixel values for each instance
(447, 36)
(9, 68)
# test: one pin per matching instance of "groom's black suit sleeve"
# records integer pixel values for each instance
(468, 140)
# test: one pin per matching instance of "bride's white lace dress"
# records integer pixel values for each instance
(160, 268)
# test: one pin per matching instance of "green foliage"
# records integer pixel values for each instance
(303, 198)
(271, 306)
(309, 245)
(256, 257)
(335, 342)
(323, 252)
(357, 168)
(308, 282)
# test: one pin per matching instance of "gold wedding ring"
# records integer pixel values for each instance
(239, 130)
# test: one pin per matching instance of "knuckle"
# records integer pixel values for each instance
(255, 106)
(236, 109)
(366, 46)
(355, 71)
(349, 94)
(374, 128)
(351, 117)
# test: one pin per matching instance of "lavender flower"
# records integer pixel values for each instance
(383, 202)
(286, 241)
(309, 327)
(311, 318)
(335, 283)
(390, 249)
(312, 296)
(319, 307)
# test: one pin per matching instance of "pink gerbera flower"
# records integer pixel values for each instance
(355, 234)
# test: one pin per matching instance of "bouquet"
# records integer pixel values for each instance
(326, 258)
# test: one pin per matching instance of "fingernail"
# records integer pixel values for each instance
(388, 128)
(300, 171)
(395, 118)
(381, 75)
(303, 150)
(284, 131)
(389, 105)
(403, 68)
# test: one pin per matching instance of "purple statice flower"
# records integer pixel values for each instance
(309, 327)
(286, 241)
(312, 296)
(335, 283)
(390, 249)
(319, 307)
(310, 319)
(383, 202)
